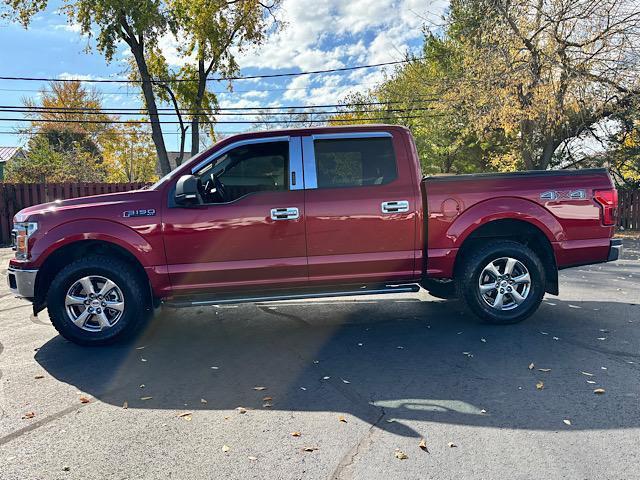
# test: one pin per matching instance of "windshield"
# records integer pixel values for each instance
(170, 175)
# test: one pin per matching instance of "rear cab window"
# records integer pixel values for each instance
(354, 162)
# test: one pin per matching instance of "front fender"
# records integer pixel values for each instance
(147, 251)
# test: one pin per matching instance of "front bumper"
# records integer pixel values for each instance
(615, 249)
(22, 282)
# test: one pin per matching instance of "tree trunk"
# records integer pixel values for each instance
(156, 129)
(195, 120)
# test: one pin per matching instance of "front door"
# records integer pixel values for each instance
(249, 231)
(361, 208)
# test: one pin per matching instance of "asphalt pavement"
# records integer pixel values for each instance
(334, 390)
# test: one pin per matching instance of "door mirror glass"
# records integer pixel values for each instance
(187, 191)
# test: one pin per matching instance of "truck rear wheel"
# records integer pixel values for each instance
(97, 300)
(502, 282)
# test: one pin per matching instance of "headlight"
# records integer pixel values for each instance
(21, 233)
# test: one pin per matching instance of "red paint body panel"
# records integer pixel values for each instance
(341, 235)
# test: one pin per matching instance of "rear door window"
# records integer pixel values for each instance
(354, 162)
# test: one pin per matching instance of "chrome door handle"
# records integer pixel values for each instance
(288, 213)
(397, 206)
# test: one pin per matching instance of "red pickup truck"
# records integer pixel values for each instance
(304, 213)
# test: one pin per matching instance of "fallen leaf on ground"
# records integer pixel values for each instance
(146, 398)
(203, 401)
(28, 415)
(423, 445)
(125, 405)
(66, 468)
(252, 458)
(531, 366)
(587, 374)
(342, 419)
(540, 385)
(544, 370)
(303, 388)
(225, 448)
(295, 434)
(401, 455)
(566, 421)
(326, 378)
(38, 377)
(483, 340)
(599, 390)
(259, 389)
(241, 410)
(451, 445)
(345, 381)
(309, 449)
(84, 400)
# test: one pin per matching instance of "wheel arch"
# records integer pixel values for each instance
(69, 252)
(518, 230)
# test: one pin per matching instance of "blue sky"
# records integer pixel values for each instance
(320, 34)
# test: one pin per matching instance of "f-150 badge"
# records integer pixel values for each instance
(148, 212)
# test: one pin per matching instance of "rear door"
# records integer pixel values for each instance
(360, 206)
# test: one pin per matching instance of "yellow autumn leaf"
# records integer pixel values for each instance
(400, 454)
(540, 385)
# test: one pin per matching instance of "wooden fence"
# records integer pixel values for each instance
(16, 196)
(629, 209)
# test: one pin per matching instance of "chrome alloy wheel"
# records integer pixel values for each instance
(504, 283)
(94, 303)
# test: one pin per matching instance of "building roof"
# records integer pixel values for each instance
(7, 153)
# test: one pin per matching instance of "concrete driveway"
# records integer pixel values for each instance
(357, 379)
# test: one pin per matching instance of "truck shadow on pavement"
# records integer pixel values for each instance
(391, 363)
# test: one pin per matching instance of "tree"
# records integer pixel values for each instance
(129, 155)
(138, 23)
(65, 143)
(210, 32)
(544, 71)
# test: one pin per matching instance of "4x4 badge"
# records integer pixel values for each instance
(564, 195)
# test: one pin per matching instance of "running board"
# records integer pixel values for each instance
(407, 288)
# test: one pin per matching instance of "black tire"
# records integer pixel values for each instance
(445, 289)
(136, 305)
(468, 281)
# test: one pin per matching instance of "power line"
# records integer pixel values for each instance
(236, 122)
(205, 114)
(281, 107)
(217, 79)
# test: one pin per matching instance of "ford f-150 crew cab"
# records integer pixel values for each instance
(305, 213)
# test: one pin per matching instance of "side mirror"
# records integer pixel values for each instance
(187, 191)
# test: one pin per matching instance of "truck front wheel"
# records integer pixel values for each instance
(502, 282)
(97, 300)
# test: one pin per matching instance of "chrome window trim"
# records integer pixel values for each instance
(309, 164)
(233, 145)
(309, 154)
(296, 168)
(346, 136)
